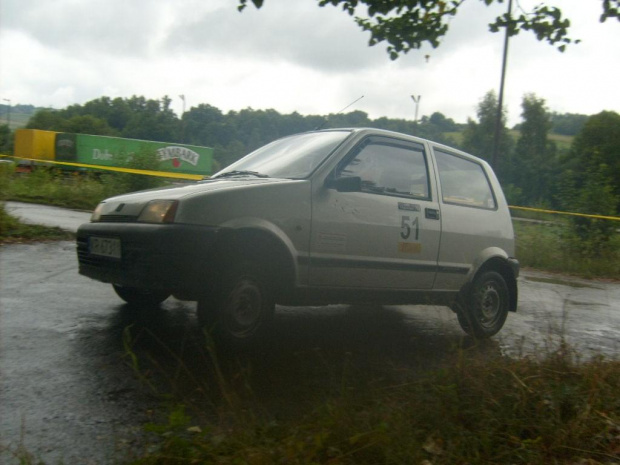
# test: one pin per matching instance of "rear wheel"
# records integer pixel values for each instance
(140, 297)
(239, 311)
(486, 309)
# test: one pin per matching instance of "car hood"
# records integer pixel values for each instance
(130, 205)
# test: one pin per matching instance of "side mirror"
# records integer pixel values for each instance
(345, 184)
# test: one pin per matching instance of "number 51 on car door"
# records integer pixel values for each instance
(409, 231)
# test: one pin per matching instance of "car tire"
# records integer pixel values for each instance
(140, 297)
(487, 305)
(238, 313)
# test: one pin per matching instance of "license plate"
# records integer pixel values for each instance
(105, 247)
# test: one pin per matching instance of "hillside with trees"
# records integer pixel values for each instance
(582, 173)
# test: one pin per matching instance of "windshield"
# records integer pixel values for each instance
(293, 157)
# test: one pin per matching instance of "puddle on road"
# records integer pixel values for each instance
(562, 282)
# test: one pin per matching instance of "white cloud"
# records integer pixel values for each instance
(290, 56)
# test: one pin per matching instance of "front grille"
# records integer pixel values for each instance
(117, 219)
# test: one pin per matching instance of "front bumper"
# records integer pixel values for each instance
(154, 256)
(515, 266)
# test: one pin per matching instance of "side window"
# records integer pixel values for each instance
(464, 182)
(390, 169)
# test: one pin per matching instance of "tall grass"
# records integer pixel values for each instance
(551, 246)
(555, 247)
(71, 189)
(12, 230)
(470, 410)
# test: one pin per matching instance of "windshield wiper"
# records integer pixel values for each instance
(241, 173)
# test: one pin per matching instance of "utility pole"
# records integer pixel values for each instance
(416, 100)
(500, 103)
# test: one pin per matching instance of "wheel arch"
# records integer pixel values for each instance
(501, 265)
(263, 246)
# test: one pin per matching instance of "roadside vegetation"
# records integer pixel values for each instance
(589, 249)
(13, 231)
(475, 407)
(76, 190)
(557, 246)
(311, 406)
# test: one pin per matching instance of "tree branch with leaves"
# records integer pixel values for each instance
(409, 24)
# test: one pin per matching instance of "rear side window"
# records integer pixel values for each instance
(390, 169)
(464, 182)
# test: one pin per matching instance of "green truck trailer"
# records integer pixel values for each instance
(119, 152)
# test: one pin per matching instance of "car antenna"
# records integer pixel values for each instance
(325, 118)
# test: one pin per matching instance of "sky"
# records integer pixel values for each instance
(293, 56)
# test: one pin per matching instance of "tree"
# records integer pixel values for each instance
(87, 124)
(598, 144)
(443, 123)
(152, 120)
(47, 120)
(568, 124)
(5, 138)
(478, 137)
(534, 161)
(408, 24)
(204, 125)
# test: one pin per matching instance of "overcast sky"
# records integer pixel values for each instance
(292, 56)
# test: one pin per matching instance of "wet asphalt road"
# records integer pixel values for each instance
(68, 391)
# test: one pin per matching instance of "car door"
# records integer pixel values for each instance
(472, 220)
(384, 235)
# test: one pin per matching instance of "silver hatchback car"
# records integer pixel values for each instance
(332, 216)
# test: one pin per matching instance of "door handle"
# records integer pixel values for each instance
(431, 213)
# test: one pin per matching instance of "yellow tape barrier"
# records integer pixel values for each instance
(600, 217)
(197, 177)
(161, 174)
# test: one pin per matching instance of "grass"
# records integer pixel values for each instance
(13, 231)
(69, 189)
(474, 407)
(548, 247)
(553, 247)
(470, 410)
(314, 406)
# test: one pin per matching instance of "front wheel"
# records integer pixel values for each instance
(486, 309)
(238, 313)
(140, 297)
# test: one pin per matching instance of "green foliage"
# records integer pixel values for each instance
(12, 230)
(568, 124)
(46, 120)
(478, 137)
(554, 246)
(598, 143)
(129, 182)
(87, 124)
(151, 120)
(7, 171)
(51, 187)
(232, 135)
(408, 25)
(472, 409)
(592, 236)
(533, 171)
(534, 163)
(6, 139)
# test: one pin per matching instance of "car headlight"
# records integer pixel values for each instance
(159, 211)
(96, 213)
